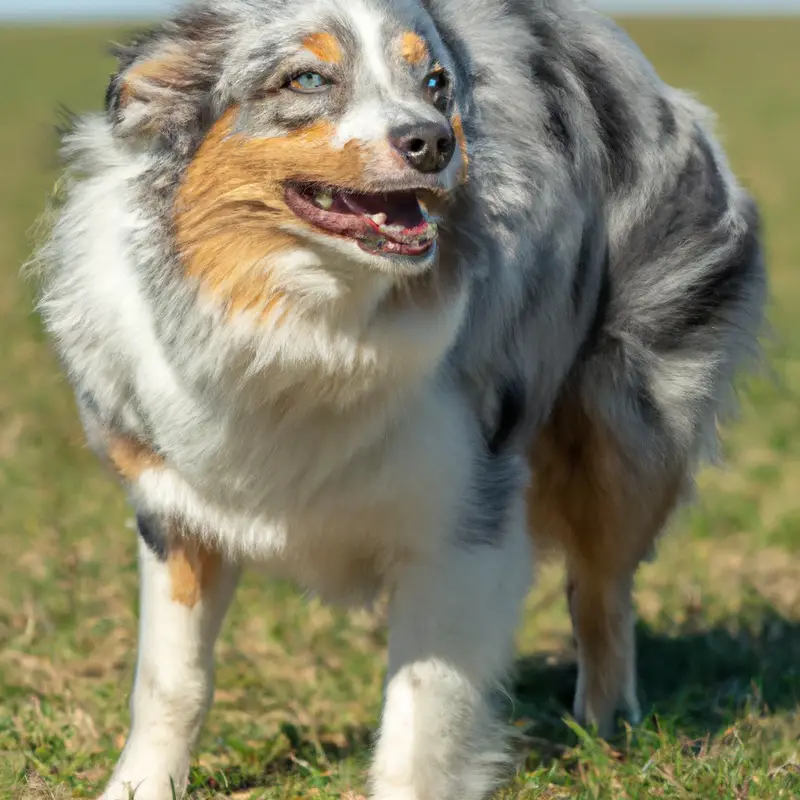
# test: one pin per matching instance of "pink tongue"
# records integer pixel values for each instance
(400, 208)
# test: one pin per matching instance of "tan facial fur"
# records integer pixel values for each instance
(413, 48)
(458, 130)
(324, 46)
(230, 216)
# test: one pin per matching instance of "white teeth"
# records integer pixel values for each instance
(323, 200)
(378, 219)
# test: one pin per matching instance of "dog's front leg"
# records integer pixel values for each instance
(185, 590)
(452, 624)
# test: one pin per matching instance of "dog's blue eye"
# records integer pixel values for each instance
(436, 82)
(309, 82)
(437, 86)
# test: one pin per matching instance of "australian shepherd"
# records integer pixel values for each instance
(384, 295)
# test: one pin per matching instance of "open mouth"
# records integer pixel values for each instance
(392, 223)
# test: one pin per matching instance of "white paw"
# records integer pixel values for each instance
(143, 788)
(146, 773)
(394, 793)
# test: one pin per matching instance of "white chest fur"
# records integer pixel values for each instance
(332, 506)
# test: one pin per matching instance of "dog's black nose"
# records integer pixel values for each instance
(428, 147)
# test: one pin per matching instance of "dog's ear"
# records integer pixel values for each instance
(162, 91)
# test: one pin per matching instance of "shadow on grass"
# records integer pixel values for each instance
(295, 754)
(694, 680)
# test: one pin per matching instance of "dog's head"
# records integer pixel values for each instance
(330, 128)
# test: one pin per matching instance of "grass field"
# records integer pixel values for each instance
(298, 685)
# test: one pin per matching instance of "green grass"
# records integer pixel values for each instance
(299, 684)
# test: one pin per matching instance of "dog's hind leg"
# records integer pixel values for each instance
(604, 508)
(682, 305)
(185, 592)
(602, 619)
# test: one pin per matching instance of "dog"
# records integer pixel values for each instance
(385, 296)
